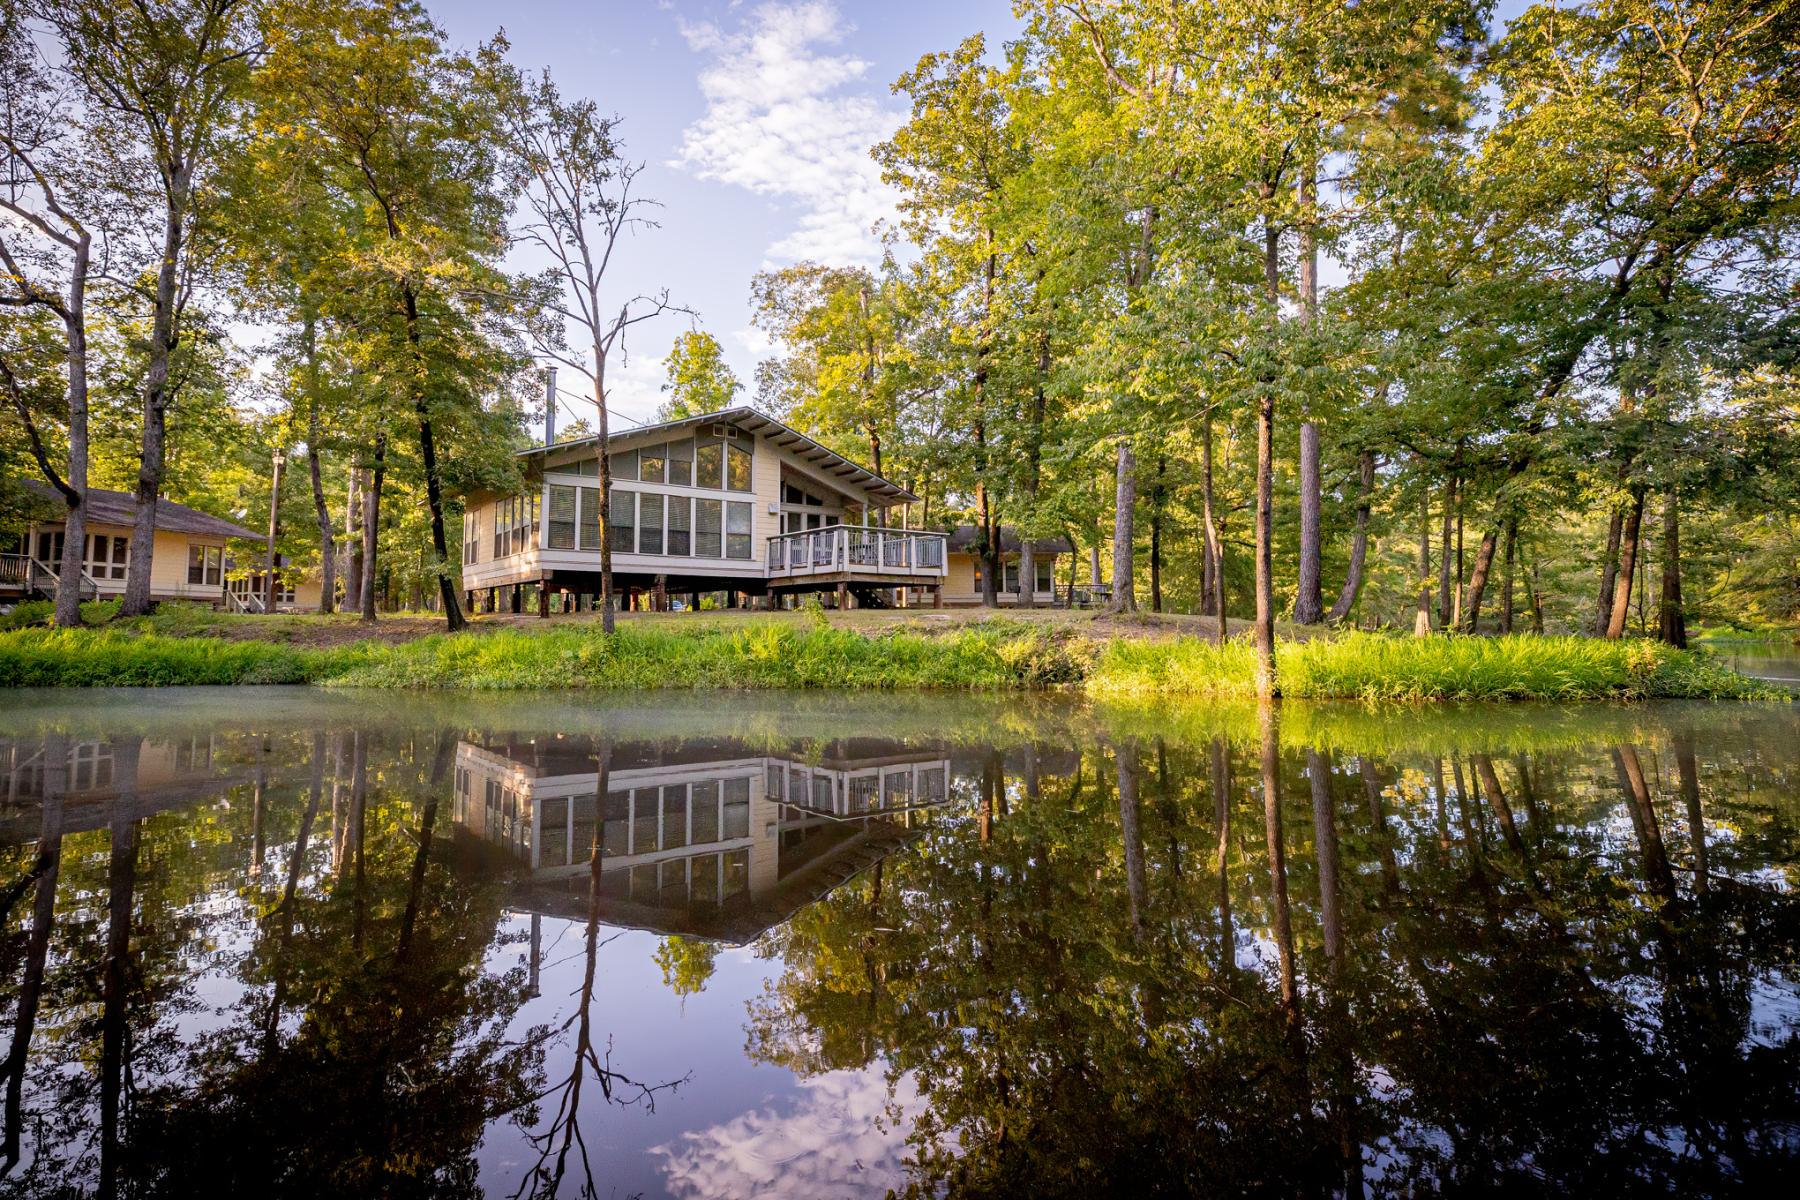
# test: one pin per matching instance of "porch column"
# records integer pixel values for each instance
(843, 596)
(937, 596)
(518, 597)
(543, 604)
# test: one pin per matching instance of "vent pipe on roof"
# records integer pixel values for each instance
(550, 406)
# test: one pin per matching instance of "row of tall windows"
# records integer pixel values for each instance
(514, 520)
(692, 462)
(102, 555)
(650, 523)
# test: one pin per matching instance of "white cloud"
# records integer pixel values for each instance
(840, 1131)
(785, 118)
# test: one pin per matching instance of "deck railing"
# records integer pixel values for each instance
(856, 550)
(15, 571)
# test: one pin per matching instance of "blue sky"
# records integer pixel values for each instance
(753, 119)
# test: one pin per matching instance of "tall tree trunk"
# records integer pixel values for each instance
(1422, 617)
(1309, 608)
(371, 526)
(1459, 594)
(1628, 551)
(75, 484)
(1266, 684)
(1157, 495)
(314, 431)
(1536, 597)
(1282, 924)
(1609, 571)
(1444, 539)
(1209, 533)
(434, 485)
(153, 448)
(1671, 623)
(1221, 791)
(116, 975)
(1508, 557)
(1484, 562)
(1124, 597)
(1359, 541)
(353, 514)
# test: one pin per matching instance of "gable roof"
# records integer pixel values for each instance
(783, 436)
(962, 541)
(106, 507)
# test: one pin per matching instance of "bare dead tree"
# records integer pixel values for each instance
(578, 190)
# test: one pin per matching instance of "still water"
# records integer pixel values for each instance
(284, 943)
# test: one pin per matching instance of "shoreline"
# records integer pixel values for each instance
(1042, 653)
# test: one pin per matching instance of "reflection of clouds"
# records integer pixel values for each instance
(839, 1137)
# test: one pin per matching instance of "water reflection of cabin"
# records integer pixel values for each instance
(151, 774)
(710, 838)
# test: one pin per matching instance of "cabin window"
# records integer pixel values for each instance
(106, 556)
(623, 520)
(205, 565)
(49, 549)
(709, 469)
(623, 465)
(674, 816)
(1046, 574)
(471, 537)
(737, 530)
(681, 523)
(559, 531)
(587, 466)
(736, 823)
(650, 464)
(590, 518)
(708, 517)
(705, 810)
(681, 463)
(737, 468)
(650, 524)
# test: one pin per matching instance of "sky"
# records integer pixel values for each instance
(753, 119)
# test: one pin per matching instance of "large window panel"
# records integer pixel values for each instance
(650, 524)
(737, 468)
(623, 465)
(681, 462)
(709, 470)
(680, 524)
(559, 531)
(650, 464)
(708, 528)
(737, 529)
(590, 518)
(623, 519)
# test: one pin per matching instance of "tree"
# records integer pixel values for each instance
(578, 188)
(46, 249)
(699, 381)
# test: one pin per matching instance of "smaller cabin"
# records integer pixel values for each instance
(962, 586)
(187, 557)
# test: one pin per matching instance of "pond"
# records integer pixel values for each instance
(1778, 662)
(300, 943)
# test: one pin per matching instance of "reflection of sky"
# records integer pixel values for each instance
(834, 1137)
(788, 1127)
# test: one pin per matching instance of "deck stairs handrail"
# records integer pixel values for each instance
(88, 588)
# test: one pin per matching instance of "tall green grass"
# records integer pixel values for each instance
(990, 656)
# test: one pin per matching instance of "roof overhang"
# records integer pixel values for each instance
(827, 462)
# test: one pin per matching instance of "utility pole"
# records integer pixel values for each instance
(274, 529)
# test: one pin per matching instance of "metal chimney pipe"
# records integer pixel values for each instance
(550, 406)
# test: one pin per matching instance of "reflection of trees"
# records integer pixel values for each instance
(366, 1051)
(1463, 986)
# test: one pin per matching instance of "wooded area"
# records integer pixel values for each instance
(1367, 315)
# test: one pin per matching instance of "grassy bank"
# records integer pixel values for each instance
(993, 654)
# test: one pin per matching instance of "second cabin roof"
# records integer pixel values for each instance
(784, 437)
